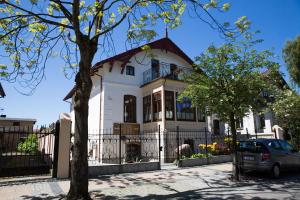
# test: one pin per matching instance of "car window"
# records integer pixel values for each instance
(286, 146)
(252, 146)
(274, 145)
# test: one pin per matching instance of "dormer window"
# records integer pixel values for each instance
(130, 70)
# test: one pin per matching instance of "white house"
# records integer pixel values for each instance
(136, 91)
(139, 87)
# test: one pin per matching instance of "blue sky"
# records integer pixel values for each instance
(278, 21)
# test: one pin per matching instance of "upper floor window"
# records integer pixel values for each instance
(185, 111)
(200, 115)
(155, 68)
(169, 104)
(16, 123)
(147, 108)
(129, 108)
(262, 123)
(174, 71)
(156, 103)
(239, 123)
(130, 70)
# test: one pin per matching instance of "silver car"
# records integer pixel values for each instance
(269, 155)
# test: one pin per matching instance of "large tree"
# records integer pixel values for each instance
(33, 31)
(291, 55)
(231, 83)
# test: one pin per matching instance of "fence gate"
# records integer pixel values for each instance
(25, 151)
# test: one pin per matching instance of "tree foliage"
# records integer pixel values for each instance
(287, 111)
(231, 82)
(291, 55)
(31, 32)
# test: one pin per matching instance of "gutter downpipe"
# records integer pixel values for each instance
(100, 97)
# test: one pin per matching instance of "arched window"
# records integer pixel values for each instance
(129, 108)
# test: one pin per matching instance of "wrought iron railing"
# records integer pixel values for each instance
(166, 70)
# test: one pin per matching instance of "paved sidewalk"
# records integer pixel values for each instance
(206, 182)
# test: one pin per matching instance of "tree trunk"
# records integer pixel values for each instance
(79, 162)
(235, 163)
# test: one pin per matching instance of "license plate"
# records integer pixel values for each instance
(248, 158)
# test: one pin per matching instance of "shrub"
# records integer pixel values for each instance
(29, 145)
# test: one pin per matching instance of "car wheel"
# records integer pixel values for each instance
(275, 171)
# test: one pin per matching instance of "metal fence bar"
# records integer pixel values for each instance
(159, 147)
(177, 139)
(206, 148)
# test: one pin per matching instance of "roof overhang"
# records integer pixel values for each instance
(163, 44)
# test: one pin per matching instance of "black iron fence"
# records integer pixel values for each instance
(24, 150)
(122, 146)
(125, 146)
(181, 144)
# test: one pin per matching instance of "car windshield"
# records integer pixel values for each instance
(252, 146)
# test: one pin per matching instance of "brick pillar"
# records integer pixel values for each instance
(64, 146)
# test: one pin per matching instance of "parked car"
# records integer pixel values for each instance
(270, 155)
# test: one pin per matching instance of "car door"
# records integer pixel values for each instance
(278, 153)
(293, 157)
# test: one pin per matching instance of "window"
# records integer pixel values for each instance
(200, 115)
(16, 123)
(130, 70)
(174, 71)
(265, 93)
(239, 123)
(147, 108)
(285, 145)
(130, 108)
(155, 68)
(169, 104)
(275, 145)
(185, 112)
(216, 127)
(262, 123)
(156, 102)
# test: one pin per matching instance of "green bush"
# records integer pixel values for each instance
(29, 145)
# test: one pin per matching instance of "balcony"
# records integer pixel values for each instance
(165, 70)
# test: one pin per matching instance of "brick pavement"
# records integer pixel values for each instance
(206, 182)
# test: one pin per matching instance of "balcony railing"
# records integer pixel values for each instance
(166, 70)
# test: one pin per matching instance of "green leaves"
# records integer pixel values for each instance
(232, 81)
(291, 55)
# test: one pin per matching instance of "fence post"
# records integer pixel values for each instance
(64, 146)
(159, 147)
(55, 153)
(206, 152)
(120, 145)
(177, 138)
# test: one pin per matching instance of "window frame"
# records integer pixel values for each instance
(130, 70)
(171, 94)
(202, 114)
(262, 125)
(156, 105)
(148, 97)
(132, 109)
(193, 111)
